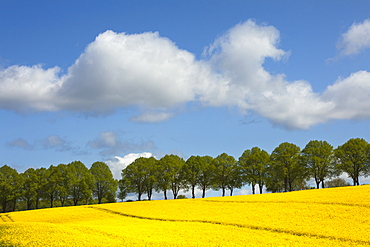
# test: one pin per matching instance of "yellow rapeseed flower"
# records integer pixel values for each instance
(325, 217)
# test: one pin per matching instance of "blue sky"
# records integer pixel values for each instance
(112, 80)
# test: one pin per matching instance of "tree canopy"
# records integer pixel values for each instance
(287, 168)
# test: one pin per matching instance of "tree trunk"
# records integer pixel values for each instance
(193, 191)
(165, 194)
(204, 192)
(51, 201)
(322, 184)
(149, 195)
(223, 191)
(175, 192)
(37, 203)
(286, 184)
(29, 204)
(231, 191)
(14, 204)
(290, 186)
(253, 189)
(261, 187)
(317, 184)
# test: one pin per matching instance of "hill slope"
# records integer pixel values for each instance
(326, 217)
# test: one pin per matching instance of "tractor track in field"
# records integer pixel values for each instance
(270, 229)
(6, 218)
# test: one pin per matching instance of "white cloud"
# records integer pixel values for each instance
(240, 55)
(350, 96)
(150, 72)
(152, 117)
(356, 39)
(106, 139)
(25, 88)
(118, 70)
(112, 143)
(117, 164)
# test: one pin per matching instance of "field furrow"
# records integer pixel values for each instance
(325, 217)
(253, 227)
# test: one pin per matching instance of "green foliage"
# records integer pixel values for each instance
(170, 174)
(224, 172)
(205, 175)
(318, 157)
(10, 184)
(285, 169)
(105, 185)
(285, 165)
(139, 177)
(353, 157)
(253, 165)
(81, 182)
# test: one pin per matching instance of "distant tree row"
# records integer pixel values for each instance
(287, 168)
(72, 184)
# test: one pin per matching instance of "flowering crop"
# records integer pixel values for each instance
(325, 217)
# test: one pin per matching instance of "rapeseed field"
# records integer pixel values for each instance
(325, 217)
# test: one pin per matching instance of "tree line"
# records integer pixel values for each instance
(70, 184)
(287, 168)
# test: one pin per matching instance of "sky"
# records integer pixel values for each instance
(115, 80)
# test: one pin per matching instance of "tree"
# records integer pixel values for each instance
(235, 179)
(191, 171)
(318, 157)
(52, 184)
(40, 180)
(253, 164)
(123, 189)
(353, 157)
(28, 193)
(105, 185)
(285, 159)
(170, 174)
(9, 186)
(274, 181)
(135, 176)
(224, 166)
(151, 178)
(205, 175)
(81, 182)
(64, 182)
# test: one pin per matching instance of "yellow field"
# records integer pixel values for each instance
(325, 217)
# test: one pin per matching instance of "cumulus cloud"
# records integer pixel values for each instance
(350, 96)
(151, 73)
(110, 143)
(117, 164)
(356, 39)
(25, 88)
